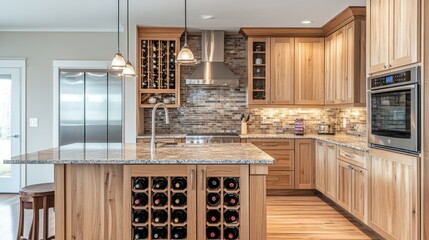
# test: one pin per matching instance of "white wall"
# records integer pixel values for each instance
(40, 49)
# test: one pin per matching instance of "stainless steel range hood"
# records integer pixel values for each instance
(213, 71)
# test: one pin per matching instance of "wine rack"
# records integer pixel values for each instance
(159, 207)
(223, 208)
(158, 72)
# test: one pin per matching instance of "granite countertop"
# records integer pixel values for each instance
(139, 153)
(163, 136)
(357, 143)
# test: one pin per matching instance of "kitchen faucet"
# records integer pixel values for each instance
(167, 121)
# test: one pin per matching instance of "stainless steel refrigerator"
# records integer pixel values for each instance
(90, 107)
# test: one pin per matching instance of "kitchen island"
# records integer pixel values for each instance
(121, 191)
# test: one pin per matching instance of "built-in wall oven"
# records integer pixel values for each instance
(394, 111)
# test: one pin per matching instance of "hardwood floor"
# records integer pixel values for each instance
(289, 217)
(310, 217)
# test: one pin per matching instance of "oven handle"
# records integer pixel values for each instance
(406, 87)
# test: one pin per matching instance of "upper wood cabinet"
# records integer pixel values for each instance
(345, 65)
(309, 71)
(258, 62)
(282, 70)
(394, 35)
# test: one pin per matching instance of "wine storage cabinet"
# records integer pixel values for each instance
(158, 72)
(187, 202)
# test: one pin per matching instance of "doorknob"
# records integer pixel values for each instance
(13, 136)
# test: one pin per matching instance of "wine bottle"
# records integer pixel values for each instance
(160, 182)
(140, 233)
(230, 216)
(159, 233)
(213, 183)
(230, 233)
(159, 216)
(141, 183)
(178, 233)
(213, 233)
(230, 183)
(140, 199)
(154, 49)
(213, 216)
(140, 216)
(155, 84)
(178, 199)
(213, 199)
(159, 199)
(178, 216)
(231, 199)
(179, 183)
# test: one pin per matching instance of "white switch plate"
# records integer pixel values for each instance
(34, 122)
(344, 123)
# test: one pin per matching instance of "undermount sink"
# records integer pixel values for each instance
(178, 145)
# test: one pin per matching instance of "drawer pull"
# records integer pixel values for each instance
(350, 156)
(330, 146)
(270, 144)
(193, 179)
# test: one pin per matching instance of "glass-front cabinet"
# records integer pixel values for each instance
(259, 73)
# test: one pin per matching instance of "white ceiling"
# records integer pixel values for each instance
(100, 15)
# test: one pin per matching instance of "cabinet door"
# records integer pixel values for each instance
(330, 69)
(280, 180)
(309, 71)
(320, 166)
(378, 35)
(258, 63)
(359, 207)
(340, 65)
(344, 184)
(331, 172)
(282, 70)
(351, 42)
(394, 211)
(304, 164)
(152, 175)
(220, 173)
(404, 32)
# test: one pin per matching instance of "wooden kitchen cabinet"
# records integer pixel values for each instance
(359, 204)
(309, 71)
(394, 188)
(344, 189)
(258, 62)
(304, 164)
(331, 171)
(330, 56)
(320, 167)
(282, 70)
(394, 34)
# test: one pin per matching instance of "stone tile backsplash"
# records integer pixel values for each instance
(217, 110)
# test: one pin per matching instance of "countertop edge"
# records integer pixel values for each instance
(139, 162)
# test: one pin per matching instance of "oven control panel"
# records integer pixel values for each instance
(400, 77)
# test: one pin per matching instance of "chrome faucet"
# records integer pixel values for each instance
(167, 121)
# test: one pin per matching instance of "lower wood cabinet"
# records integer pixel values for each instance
(331, 171)
(321, 172)
(395, 195)
(304, 164)
(344, 189)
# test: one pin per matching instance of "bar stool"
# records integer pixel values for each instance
(36, 197)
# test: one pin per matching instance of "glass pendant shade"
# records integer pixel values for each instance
(185, 55)
(118, 61)
(128, 70)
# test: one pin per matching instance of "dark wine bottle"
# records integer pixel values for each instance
(213, 199)
(231, 199)
(140, 233)
(159, 216)
(230, 216)
(140, 216)
(159, 233)
(178, 233)
(178, 199)
(213, 183)
(140, 183)
(179, 183)
(178, 216)
(213, 233)
(213, 216)
(230, 183)
(140, 199)
(159, 182)
(159, 199)
(230, 233)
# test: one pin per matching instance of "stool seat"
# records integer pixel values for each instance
(36, 197)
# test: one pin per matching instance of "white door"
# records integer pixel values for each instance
(10, 128)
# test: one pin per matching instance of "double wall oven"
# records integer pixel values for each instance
(394, 111)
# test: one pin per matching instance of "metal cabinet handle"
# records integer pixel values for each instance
(13, 136)
(320, 143)
(193, 179)
(270, 144)
(390, 65)
(350, 155)
(385, 66)
(330, 146)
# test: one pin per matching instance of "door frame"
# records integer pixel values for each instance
(21, 64)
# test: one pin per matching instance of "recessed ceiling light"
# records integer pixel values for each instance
(306, 22)
(206, 17)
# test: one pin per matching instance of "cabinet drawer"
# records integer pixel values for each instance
(273, 144)
(354, 157)
(280, 180)
(285, 159)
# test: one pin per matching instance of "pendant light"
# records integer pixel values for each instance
(128, 70)
(118, 61)
(185, 55)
